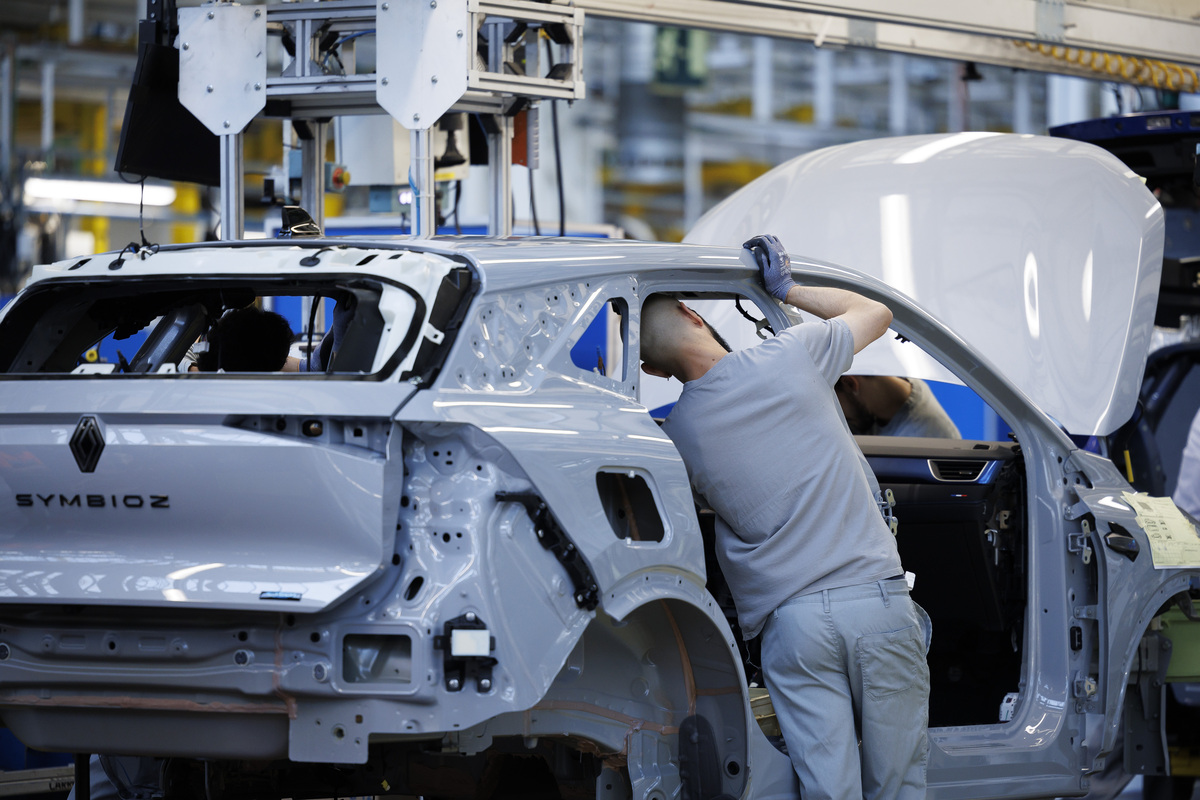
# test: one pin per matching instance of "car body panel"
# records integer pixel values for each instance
(1042, 253)
(165, 468)
(535, 504)
(210, 538)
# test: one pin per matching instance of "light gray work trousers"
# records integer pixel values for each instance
(849, 664)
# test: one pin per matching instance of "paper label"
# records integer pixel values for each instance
(1173, 539)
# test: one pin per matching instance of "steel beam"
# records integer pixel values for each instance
(983, 32)
(344, 12)
(312, 173)
(499, 145)
(424, 194)
(304, 92)
(898, 95)
(500, 207)
(75, 22)
(8, 118)
(48, 111)
(233, 212)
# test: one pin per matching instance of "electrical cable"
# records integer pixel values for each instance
(152, 248)
(345, 39)
(312, 321)
(562, 201)
(332, 51)
(416, 205)
(141, 181)
(1132, 69)
(457, 197)
(537, 230)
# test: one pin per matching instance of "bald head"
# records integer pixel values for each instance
(676, 341)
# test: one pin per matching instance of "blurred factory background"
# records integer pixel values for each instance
(674, 120)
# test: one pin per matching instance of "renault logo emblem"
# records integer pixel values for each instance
(87, 443)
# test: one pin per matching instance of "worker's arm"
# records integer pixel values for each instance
(866, 319)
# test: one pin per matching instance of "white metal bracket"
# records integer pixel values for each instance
(432, 334)
(1081, 542)
(563, 80)
(427, 59)
(223, 64)
(1049, 20)
(422, 58)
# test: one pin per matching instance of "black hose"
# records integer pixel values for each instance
(537, 229)
(457, 197)
(562, 201)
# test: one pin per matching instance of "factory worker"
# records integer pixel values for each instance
(811, 563)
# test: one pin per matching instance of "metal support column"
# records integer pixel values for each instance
(1022, 103)
(75, 21)
(824, 109)
(1067, 100)
(233, 212)
(956, 101)
(48, 111)
(693, 179)
(897, 94)
(499, 147)
(8, 53)
(763, 80)
(500, 207)
(424, 194)
(312, 172)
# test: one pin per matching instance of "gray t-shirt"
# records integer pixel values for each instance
(765, 442)
(921, 415)
(1187, 486)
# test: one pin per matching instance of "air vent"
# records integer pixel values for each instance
(957, 471)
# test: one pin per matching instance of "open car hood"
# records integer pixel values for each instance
(1043, 254)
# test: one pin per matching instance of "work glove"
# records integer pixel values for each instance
(774, 265)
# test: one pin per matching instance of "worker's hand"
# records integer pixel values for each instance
(774, 265)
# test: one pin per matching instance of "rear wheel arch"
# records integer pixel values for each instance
(656, 685)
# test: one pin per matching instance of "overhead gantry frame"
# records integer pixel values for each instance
(428, 63)
(1011, 33)
(431, 60)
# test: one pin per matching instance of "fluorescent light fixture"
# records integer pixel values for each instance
(97, 191)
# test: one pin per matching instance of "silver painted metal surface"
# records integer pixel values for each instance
(422, 58)
(223, 64)
(429, 506)
(421, 180)
(994, 34)
(426, 66)
(312, 172)
(1042, 253)
(411, 56)
(233, 180)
